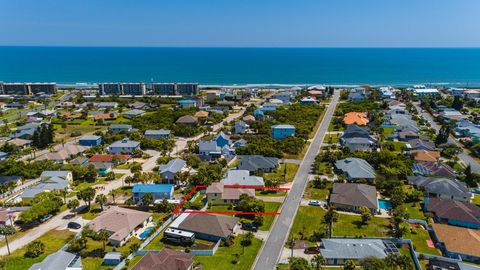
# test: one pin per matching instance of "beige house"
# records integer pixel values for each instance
(218, 194)
(121, 223)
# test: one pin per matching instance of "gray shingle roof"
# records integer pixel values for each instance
(59, 260)
(124, 143)
(254, 162)
(356, 168)
(174, 165)
(441, 186)
(354, 195)
(340, 248)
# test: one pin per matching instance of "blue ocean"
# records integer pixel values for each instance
(227, 66)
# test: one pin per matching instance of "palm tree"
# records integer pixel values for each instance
(330, 217)
(101, 199)
(113, 193)
(147, 199)
(7, 230)
(103, 236)
(318, 261)
(349, 265)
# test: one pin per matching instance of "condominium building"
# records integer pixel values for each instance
(27, 88)
(164, 89)
(110, 88)
(187, 89)
(135, 89)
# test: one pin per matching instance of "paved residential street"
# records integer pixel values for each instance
(272, 248)
(147, 166)
(464, 157)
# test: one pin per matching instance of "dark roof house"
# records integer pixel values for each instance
(353, 196)
(442, 187)
(166, 259)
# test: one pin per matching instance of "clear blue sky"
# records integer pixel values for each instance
(252, 23)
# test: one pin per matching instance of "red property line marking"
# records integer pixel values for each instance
(178, 210)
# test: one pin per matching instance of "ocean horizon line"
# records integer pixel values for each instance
(240, 47)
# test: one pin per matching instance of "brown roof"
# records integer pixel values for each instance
(108, 157)
(451, 209)
(105, 116)
(249, 118)
(425, 155)
(118, 221)
(354, 195)
(201, 114)
(217, 225)
(166, 259)
(68, 115)
(358, 118)
(187, 119)
(458, 239)
(19, 142)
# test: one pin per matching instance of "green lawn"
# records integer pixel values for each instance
(350, 225)
(134, 261)
(67, 132)
(476, 199)
(387, 131)
(278, 193)
(224, 256)
(280, 175)
(415, 210)
(268, 219)
(332, 138)
(310, 217)
(53, 241)
(399, 146)
(220, 208)
(92, 263)
(316, 193)
(91, 213)
(419, 237)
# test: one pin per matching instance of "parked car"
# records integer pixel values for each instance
(46, 217)
(74, 225)
(315, 203)
(249, 227)
(312, 250)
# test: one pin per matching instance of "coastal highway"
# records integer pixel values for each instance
(272, 248)
(464, 157)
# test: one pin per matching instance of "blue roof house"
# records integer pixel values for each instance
(159, 191)
(259, 114)
(90, 140)
(282, 131)
(222, 139)
(168, 171)
(187, 103)
(125, 146)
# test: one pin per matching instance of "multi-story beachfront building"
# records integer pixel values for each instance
(164, 89)
(47, 88)
(27, 88)
(187, 89)
(136, 89)
(110, 88)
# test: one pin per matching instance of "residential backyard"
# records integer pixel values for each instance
(225, 255)
(351, 225)
(53, 241)
(285, 172)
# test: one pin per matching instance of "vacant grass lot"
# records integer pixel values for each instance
(285, 172)
(419, 237)
(268, 219)
(224, 256)
(53, 241)
(350, 225)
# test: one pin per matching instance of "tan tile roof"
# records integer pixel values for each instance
(458, 239)
(358, 118)
(201, 114)
(119, 221)
(105, 116)
(425, 155)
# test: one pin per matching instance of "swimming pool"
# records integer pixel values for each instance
(384, 204)
(145, 233)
